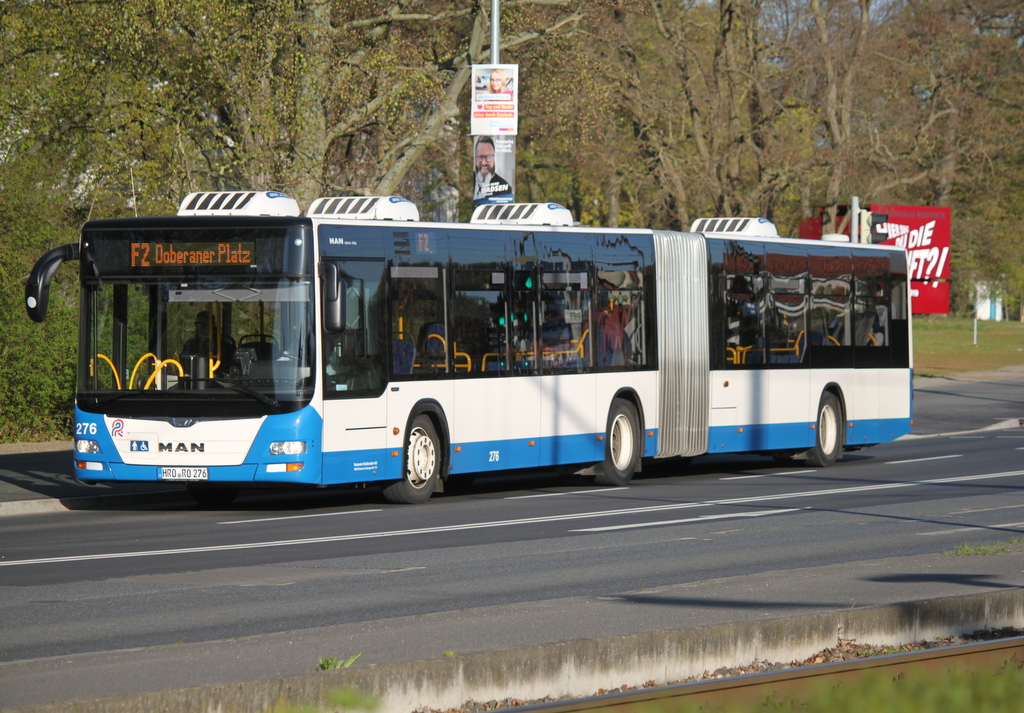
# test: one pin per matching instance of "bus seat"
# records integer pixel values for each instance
(433, 347)
(403, 353)
(262, 345)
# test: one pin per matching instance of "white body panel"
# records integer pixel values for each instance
(211, 443)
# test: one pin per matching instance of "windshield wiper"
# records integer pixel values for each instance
(236, 384)
(97, 400)
(231, 383)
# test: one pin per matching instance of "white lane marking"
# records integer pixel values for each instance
(512, 523)
(298, 517)
(573, 492)
(970, 528)
(1001, 507)
(702, 518)
(767, 475)
(921, 460)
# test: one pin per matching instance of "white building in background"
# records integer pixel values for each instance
(988, 302)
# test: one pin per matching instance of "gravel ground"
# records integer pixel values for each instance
(843, 651)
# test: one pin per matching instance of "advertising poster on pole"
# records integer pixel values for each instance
(925, 232)
(494, 161)
(495, 100)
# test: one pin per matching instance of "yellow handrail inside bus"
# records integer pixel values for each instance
(117, 379)
(737, 354)
(792, 345)
(151, 355)
(465, 366)
(159, 366)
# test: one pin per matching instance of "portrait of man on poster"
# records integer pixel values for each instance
(487, 184)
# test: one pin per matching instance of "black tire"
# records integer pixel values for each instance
(622, 445)
(212, 496)
(829, 432)
(422, 465)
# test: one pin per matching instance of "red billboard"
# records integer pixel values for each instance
(924, 232)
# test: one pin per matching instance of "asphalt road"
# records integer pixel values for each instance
(93, 581)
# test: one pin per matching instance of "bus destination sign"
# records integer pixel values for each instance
(194, 254)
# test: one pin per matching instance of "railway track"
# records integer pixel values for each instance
(795, 683)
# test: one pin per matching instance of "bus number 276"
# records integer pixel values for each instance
(494, 456)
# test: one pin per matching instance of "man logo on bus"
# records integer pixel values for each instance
(182, 447)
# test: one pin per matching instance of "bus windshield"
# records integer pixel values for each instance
(196, 317)
(198, 346)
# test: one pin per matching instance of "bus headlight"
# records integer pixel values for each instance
(287, 448)
(87, 446)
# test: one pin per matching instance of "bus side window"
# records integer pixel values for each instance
(872, 341)
(744, 343)
(565, 331)
(829, 321)
(418, 317)
(523, 321)
(620, 326)
(786, 306)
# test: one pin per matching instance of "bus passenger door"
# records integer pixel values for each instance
(355, 360)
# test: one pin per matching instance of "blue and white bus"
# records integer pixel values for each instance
(243, 343)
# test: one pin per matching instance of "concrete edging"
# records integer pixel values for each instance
(579, 668)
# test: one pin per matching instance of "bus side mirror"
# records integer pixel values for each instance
(335, 289)
(37, 289)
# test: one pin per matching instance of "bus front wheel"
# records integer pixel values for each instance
(828, 440)
(422, 465)
(622, 445)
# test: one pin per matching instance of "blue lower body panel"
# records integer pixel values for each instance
(796, 436)
(360, 466)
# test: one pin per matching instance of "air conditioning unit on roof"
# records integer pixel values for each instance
(754, 227)
(239, 203)
(522, 214)
(364, 208)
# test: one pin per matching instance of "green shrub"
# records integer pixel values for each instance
(37, 361)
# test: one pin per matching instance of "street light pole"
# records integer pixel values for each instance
(495, 32)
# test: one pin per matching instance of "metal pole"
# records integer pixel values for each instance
(855, 221)
(495, 32)
(977, 296)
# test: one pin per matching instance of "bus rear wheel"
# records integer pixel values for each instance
(828, 440)
(422, 465)
(622, 445)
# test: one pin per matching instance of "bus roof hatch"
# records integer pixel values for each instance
(522, 214)
(754, 227)
(364, 208)
(239, 203)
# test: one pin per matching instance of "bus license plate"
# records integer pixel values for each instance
(184, 474)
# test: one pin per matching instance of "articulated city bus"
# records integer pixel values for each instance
(242, 343)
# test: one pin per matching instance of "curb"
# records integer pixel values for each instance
(47, 505)
(578, 668)
(1002, 425)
